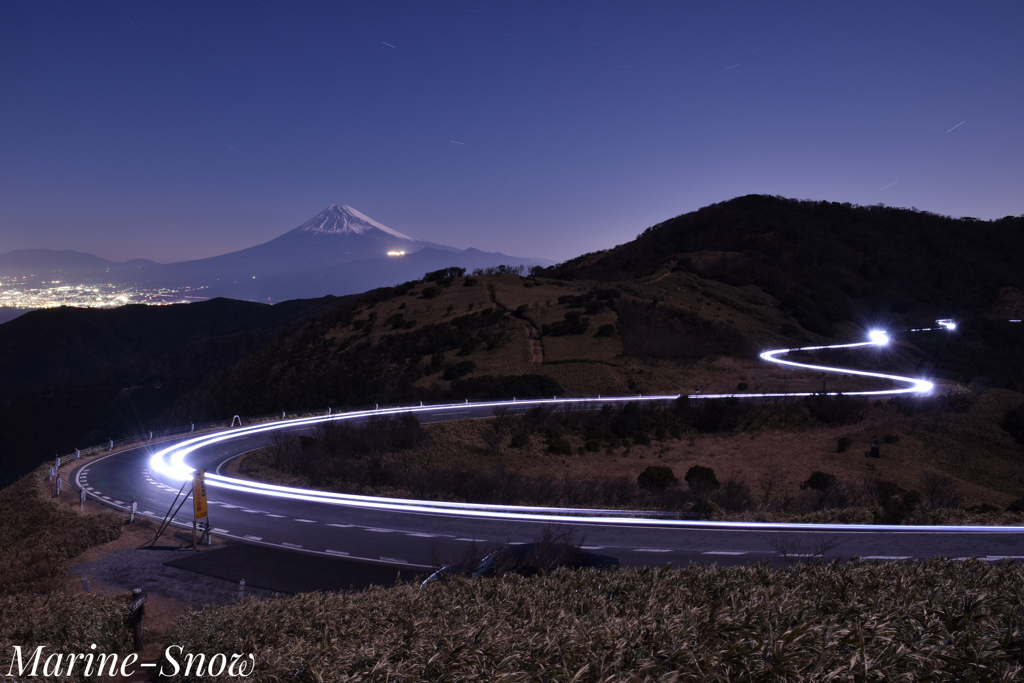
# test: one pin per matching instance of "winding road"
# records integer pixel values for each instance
(410, 533)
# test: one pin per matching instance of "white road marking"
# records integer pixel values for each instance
(725, 552)
(887, 557)
(218, 531)
(480, 540)
(652, 550)
(307, 521)
(291, 545)
(254, 538)
(377, 531)
(343, 526)
(275, 516)
(335, 552)
(393, 559)
(257, 511)
(423, 535)
(592, 547)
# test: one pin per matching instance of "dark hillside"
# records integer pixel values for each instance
(829, 263)
(72, 377)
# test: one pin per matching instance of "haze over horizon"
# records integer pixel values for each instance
(178, 132)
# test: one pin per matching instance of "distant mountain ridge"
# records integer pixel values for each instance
(337, 252)
(32, 261)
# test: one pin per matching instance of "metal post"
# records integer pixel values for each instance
(138, 610)
(85, 584)
(60, 480)
(241, 589)
(82, 499)
(132, 510)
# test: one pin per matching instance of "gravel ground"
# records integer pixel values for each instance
(131, 568)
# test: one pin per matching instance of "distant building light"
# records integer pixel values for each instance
(396, 253)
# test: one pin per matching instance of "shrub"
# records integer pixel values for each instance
(701, 479)
(656, 478)
(742, 386)
(1013, 423)
(592, 445)
(430, 292)
(470, 282)
(520, 440)
(835, 410)
(819, 481)
(844, 443)
(606, 330)
(574, 323)
(457, 370)
(559, 446)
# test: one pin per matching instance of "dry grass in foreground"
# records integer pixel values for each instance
(938, 620)
(37, 538)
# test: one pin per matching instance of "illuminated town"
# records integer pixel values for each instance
(24, 292)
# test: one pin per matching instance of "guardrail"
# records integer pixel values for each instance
(192, 427)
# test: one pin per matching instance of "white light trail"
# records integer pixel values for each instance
(170, 462)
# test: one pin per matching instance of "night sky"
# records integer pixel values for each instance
(178, 130)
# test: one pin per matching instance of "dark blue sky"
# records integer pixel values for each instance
(178, 130)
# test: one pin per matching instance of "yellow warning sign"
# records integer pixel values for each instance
(199, 494)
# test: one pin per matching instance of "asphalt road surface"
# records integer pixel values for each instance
(414, 538)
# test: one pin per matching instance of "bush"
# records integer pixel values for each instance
(819, 481)
(844, 443)
(430, 292)
(836, 410)
(457, 370)
(1013, 423)
(520, 440)
(606, 330)
(470, 282)
(1016, 506)
(701, 479)
(592, 445)
(574, 323)
(559, 446)
(656, 478)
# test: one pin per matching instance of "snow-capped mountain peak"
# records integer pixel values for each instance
(344, 220)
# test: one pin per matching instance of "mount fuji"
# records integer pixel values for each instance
(339, 251)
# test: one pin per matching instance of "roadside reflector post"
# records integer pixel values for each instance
(81, 499)
(131, 511)
(137, 607)
(241, 589)
(85, 584)
(199, 503)
(60, 480)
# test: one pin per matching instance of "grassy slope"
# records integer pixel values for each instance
(940, 620)
(37, 539)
